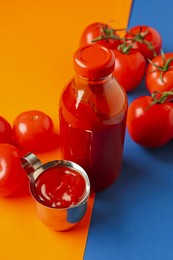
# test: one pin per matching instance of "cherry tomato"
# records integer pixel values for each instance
(150, 124)
(12, 174)
(145, 39)
(100, 33)
(129, 68)
(33, 131)
(5, 131)
(159, 73)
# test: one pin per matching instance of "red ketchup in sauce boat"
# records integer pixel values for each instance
(59, 187)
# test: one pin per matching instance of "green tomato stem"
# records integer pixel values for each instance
(124, 47)
(107, 33)
(140, 37)
(166, 66)
(160, 100)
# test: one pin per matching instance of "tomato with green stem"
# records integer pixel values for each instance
(146, 39)
(159, 73)
(12, 175)
(100, 33)
(150, 120)
(130, 66)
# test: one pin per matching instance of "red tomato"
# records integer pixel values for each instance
(151, 126)
(159, 73)
(12, 174)
(33, 130)
(5, 131)
(100, 33)
(129, 68)
(145, 39)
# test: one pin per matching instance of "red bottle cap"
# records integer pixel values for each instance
(94, 61)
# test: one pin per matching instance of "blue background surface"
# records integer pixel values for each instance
(133, 220)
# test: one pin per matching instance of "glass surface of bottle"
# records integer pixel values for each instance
(92, 113)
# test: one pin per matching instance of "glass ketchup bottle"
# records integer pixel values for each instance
(92, 113)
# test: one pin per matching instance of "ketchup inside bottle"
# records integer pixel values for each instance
(59, 187)
(92, 124)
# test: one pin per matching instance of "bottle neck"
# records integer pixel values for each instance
(86, 82)
(96, 93)
(92, 87)
(104, 96)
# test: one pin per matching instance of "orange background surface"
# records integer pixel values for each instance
(37, 41)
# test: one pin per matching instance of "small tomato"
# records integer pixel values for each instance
(130, 67)
(33, 130)
(100, 33)
(159, 73)
(12, 174)
(150, 121)
(5, 131)
(145, 39)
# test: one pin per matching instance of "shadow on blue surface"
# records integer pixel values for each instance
(133, 218)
